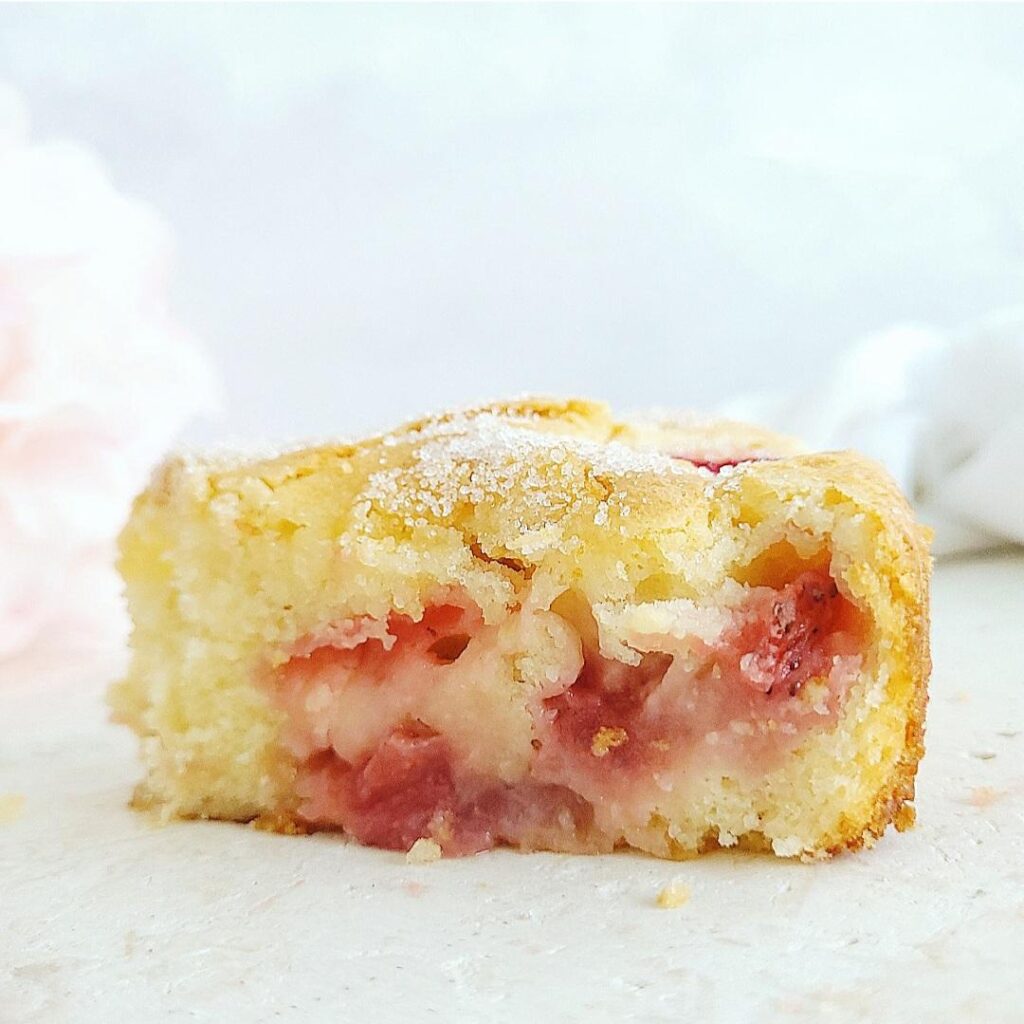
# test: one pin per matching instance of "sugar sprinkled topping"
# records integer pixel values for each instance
(470, 459)
(551, 456)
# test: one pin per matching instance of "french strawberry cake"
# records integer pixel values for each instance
(529, 624)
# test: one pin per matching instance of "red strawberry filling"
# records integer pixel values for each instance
(601, 718)
(716, 465)
(407, 790)
(396, 740)
(735, 704)
(785, 637)
(392, 798)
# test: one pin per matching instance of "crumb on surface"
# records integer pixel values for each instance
(983, 796)
(12, 806)
(905, 818)
(281, 823)
(673, 895)
(423, 851)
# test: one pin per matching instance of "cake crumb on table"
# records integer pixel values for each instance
(983, 796)
(674, 895)
(12, 805)
(423, 851)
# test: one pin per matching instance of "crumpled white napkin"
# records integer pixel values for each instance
(944, 413)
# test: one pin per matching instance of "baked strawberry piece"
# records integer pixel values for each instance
(531, 625)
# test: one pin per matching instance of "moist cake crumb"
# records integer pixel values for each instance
(673, 895)
(606, 739)
(423, 851)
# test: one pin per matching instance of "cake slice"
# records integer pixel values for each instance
(529, 624)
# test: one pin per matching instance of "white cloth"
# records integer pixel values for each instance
(944, 413)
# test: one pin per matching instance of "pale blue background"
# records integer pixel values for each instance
(381, 210)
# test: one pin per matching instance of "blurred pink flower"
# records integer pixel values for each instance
(95, 381)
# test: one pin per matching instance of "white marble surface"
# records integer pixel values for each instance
(106, 917)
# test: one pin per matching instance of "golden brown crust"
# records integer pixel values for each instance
(894, 801)
(901, 560)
